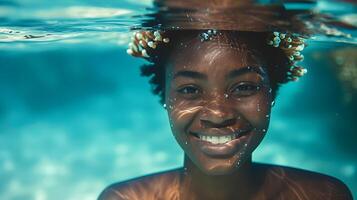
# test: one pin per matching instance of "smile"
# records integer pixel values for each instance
(219, 143)
(219, 139)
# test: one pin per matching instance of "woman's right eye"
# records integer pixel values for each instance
(189, 91)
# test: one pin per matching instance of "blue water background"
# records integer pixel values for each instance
(75, 115)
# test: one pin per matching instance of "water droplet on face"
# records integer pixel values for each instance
(258, 108)
(272, 103)
(270, 90)
(171, 107)
(264, 130)
(185, 171)
(267, 116)
(245, 145)
(226, 96)
(164, 105)
(186, 142)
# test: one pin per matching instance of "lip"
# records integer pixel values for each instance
(224, 150)
(218, 132)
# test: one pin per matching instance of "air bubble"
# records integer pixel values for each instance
(272, 103)
(185, 171)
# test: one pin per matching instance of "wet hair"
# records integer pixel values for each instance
(277, 64)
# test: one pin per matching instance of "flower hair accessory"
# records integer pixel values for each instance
(143, 44)
(144, 41)
(292, 46)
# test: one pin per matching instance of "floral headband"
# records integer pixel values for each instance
(143, 42)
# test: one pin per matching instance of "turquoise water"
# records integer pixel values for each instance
(75, 115)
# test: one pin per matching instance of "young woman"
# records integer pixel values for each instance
(218, 88)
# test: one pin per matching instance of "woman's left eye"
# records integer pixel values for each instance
(245, 89)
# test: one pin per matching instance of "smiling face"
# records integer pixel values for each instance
(218, 101)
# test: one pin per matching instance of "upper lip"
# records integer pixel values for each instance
(220, 132)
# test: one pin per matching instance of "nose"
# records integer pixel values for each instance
(217, 115)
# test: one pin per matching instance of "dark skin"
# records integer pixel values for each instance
(214, 90)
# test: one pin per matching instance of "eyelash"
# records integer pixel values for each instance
(246, 89)
(184, 90)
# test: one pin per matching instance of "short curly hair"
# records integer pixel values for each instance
(278, 65)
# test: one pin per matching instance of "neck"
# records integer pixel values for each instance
(241, 184)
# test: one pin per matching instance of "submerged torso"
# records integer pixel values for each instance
(279, 183)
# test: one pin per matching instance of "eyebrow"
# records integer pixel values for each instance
(191, 74)
(238, 72)
(232, 74)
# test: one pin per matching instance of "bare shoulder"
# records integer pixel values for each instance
(304, 184)
(162, 185)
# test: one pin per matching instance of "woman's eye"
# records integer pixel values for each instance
(245, 89)
(189, 91)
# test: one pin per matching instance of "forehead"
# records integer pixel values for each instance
(213, 56)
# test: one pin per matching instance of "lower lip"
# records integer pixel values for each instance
(220, 150)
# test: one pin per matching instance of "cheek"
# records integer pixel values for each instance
(181, 116)
(257, 110)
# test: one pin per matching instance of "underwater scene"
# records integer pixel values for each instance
(76, 115)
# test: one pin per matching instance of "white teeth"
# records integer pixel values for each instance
(218, 139)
